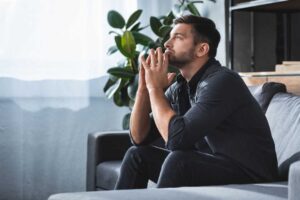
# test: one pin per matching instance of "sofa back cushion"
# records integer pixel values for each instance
(283, 115)
(264, 93)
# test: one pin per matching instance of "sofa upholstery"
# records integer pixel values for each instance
(104, 155)
(274, 191)
(283, 114)
(284, 119)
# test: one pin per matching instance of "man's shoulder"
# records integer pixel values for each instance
(221, 71)
(223, 80)
(221, 75)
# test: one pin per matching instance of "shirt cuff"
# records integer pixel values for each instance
(175, 132)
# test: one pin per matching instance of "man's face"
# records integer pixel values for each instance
(180, 47)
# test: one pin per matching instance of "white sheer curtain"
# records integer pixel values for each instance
(51, 53)
(57, 39)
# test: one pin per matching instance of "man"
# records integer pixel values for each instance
(214, 130)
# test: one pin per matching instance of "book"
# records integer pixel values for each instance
(291, 62)
(288, 66)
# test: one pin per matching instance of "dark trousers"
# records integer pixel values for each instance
(176, 169)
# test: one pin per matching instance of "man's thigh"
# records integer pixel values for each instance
(150, 159)
(193, 168)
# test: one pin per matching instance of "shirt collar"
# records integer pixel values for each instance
(196, 78)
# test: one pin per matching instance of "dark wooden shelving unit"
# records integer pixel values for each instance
(267, 5)
(282, 9)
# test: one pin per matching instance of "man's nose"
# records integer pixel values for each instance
(167, 44)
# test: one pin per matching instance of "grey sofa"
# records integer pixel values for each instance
(106, 149)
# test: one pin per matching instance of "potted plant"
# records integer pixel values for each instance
(122, 83)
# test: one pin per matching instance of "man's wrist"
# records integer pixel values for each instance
(155, 90)
(142, 91)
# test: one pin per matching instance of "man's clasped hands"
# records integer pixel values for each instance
(153, 73)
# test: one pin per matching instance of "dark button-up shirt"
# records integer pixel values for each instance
(216, 113)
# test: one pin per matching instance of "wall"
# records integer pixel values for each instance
(216, 11)
(44, 138)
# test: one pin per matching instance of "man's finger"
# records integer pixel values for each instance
(165, 61)
(159, 57)
(142, 70)
(153, 58)
(143, 62)
(148, 60)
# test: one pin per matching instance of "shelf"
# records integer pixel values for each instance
(291, 79)
(267, 6)
(268, 74)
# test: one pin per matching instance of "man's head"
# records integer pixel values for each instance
(192, 37)
(204, 31)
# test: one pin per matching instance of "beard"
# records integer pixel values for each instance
(182, 59)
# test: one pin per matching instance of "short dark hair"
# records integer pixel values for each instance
(205, 31)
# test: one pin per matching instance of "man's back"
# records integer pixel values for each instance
(223, 114)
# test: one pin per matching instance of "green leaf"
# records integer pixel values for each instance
(128, 43)
(124, 96)
(141, 28)
(113, 32)
(119, 45)
(126, 121)
(118, 99)
(169, 19)
(132, 19)
(142, 39)
(192, 8)
(113, 89)
(165, 30)
(198, 1)
(121, 72)
(155, 25)
(112, 50)
(108, 84)
(136, 27)
(132, 88)
(115, 19)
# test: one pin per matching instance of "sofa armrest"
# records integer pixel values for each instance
(294, 181)
(104, 146)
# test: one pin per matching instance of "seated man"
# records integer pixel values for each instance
(214, 130)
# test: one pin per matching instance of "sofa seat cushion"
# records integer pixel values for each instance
(107, 174)
(274, 191)
(283, 115)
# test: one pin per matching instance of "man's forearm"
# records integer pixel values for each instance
(140, 120)
(162, 112)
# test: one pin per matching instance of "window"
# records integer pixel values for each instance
(57, 39)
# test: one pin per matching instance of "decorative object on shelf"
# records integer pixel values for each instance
(288, 66)
(130, 42)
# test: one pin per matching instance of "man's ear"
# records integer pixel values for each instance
(202, 49)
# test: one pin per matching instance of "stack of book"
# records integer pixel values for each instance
(288, 66)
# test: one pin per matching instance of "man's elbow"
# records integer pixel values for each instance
(177, 136)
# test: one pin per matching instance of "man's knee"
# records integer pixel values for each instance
(172, 171)
(136, 154)
(133, 153)
(137, 150)
(175, 158)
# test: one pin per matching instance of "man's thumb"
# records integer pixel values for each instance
(171, 76)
